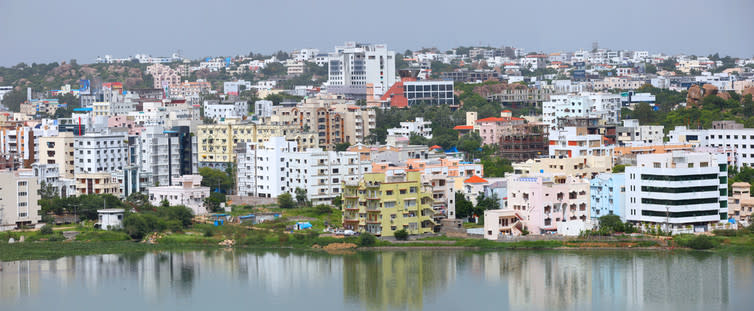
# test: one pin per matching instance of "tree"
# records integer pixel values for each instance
(46, 229)
(135, 226)
(366, 239)
(464, 208)
(47, 191)
(620, 168)
(470, 144)
(301, 196)
(401, 235)
(338, 201)
(285, 200)
(216, 179)
(214, 201)
(650, 68)
(418, 140)
(13, 100)
(342, 146)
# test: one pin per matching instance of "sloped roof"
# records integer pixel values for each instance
(474, 179)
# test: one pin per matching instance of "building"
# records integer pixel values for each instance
(159, 156)
(189, 90)
(110, 218)
(163, 76)
(217, 111)
(678, 191)
(216, 142)
(410, 92)
(360, 70)
(627, 154)
(737, 143)
(20, 194)
(316, 117)
(580, 166)
(500, 223)
(97, 183)
(58, 150)
(631, 132)
(543, 201)
(381, 204)
(418, 127)
(493, 129)
(278, 166)
(100, 152)
(236, 87)
(740, 203)
(575, 141)
(188, 192)
(603, 106)
(608, 195)
(263, 108)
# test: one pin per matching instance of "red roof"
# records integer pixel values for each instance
(435, 147)
(493, 119)
(506, 111)
(474, 179)
(463, 127)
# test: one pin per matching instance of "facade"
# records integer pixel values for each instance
(418, 127)
(737, 143)
(631, 133)
(97, 183)
(358, 122)
(492, 130)
(20, 195)
(314, 117)
(188, 90)
(188, 192)
(500, 223)
(580, 166)
(603, 106)
(110, 218)
(678, 191)
(220, 111)
(740, 203)
(574, 141)
(163, 76)
(428, 92)
(380, 204)
(159, 156)
(608, 195)
(360, 70)
(100, 152)
(263, 108)
(545, 200)
(216, 142)
(278, 166)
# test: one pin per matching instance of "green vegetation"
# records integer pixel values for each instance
(465, 208)
(610, 224)
(620, 168)
(285, 200)
(401, 235)
(216, 179)
(172, 218)
(84, 206)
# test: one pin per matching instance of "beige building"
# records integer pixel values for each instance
(216, 142)
(613, 83)
(97, 183)
(584, 167)
(58, 150)
(740, 203)
(19, 198)
(163, 75)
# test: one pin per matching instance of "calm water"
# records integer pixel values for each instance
(413, 280)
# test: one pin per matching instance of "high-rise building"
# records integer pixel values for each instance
(19, 196)
(361, 70)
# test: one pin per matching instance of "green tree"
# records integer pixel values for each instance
(464, 208)
(301, 196)
(47, 191)
(338, 201)
(214, 201)
(13, 100)
(620, 168)
(216, 179)
(342, 146)
(418, 140)
(401, 235)
(285, 200)
(470, 143)
(366, 239)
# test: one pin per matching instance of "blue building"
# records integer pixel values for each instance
(608, 193)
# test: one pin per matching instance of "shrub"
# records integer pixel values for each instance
(366, 239)
(401, 235)
(725, 232)
(209, 232)
(56, 238)
(323, 209)
(699, 242)
(46, 229)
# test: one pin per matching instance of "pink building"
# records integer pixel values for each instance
(544, 200)
(491, 129)
(163, 75)
(125, 122)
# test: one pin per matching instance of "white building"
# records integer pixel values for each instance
(632, 133)
(361, 70)
(100, 152)
(737, 143)
(679, 191)
(263, 108)
(188, 192)
(304, 55)
(601, 105)
(417, 127)
(110, 218)
(159, 156)
(572, 142)
(278, 166)
(218, 111)
(235, 87)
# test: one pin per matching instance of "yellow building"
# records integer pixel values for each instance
(97, 183)
(216, 142)
(381, 204)
(58, 150)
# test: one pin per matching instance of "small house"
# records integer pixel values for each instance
(111, 218)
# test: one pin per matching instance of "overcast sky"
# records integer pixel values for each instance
(54, 30)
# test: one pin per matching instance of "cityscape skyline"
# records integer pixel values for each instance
(550, 28)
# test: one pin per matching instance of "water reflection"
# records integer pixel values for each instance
(414, 280)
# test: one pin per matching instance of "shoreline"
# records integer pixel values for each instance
(56, 250)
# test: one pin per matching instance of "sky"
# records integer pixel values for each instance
(52, 30)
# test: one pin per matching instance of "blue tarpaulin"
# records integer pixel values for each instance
(303, 225)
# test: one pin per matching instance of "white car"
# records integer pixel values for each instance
(348, 232)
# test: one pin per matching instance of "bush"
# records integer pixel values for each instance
(725, 232)
(46, 229)
(699, 242)
(366, 239)
(209, 232)
(401, 235)
(56, 238)
(323, 209)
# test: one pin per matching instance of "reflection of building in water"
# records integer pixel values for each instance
(699, 279)
(547, 281)
(395, 280)
(279, 271)
(19, 279)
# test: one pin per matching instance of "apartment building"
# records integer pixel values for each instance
(493, 129)
(215, 110)
(100, 152)
(679, 191)
(163, 76)
(278, 166)
(418, 127)
(358, 122)
(631, 133)
(608, 195)
(580, 166)
(740, 203)
(96, 183)
(360, 70)
(737, 143)
(216, 142)
(574, 141)
(314, 117)
(187, 191)
(603, 106)
(58, 150)
(20, 195)
(189, 90)
(381, 204)
(544, 201)
(617, 83)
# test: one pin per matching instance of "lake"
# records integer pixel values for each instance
(391, 280)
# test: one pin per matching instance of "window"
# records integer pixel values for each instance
(656, 165)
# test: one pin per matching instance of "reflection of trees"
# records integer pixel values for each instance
(394, 280)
